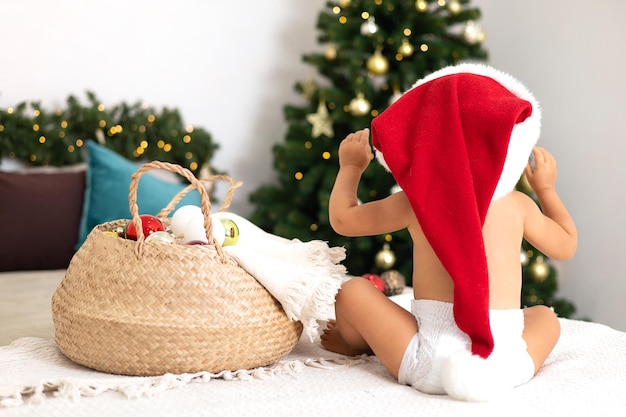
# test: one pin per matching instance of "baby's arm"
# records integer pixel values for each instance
(347, 216)
(553, 232)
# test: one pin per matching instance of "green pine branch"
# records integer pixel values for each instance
(39, 136)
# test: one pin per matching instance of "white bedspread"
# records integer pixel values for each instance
(585, 375)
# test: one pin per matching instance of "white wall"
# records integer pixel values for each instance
(230, 67)
(569, 53)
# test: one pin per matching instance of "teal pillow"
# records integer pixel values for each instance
(106, 190)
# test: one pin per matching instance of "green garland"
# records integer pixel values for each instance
(33, 134)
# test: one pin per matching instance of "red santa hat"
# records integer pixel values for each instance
(457, 140)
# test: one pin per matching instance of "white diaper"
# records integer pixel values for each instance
(439, 337)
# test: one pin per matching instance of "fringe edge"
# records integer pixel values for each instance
(74, 389)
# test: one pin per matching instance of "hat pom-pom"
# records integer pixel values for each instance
(469, 377)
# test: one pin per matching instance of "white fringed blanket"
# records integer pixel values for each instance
(585, 375)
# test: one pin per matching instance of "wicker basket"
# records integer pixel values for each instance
(146, 308)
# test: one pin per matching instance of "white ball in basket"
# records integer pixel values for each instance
(182, 216)
(188, 222)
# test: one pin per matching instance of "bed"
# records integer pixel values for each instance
(585, 375)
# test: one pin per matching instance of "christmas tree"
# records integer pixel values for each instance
(374, 50)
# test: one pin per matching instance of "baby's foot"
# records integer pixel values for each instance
(332, 340)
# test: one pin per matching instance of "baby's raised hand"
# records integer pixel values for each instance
(355, 150)
(543, 175)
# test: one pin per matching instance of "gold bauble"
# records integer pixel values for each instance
(377, 64)
(473, 33)
(531, 300)
(385, 258)
(344, 3)
(421, 5)
(394, 282)
(369, 27)
(539, 271)
(331, 52)
(405, 49)
(309, 87)
(359, 106)
(231, 232)
(454, 7)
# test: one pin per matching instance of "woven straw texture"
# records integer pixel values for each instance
(147, 308)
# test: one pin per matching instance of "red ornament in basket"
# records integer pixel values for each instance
(149, 224)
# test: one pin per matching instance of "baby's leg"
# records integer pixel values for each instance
(541, 332)
(366, 320)
(333, 340)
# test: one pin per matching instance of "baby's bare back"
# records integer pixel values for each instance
(502, 235)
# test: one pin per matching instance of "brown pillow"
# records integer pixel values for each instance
(39, 217)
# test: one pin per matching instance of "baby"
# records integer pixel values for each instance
(426, 348)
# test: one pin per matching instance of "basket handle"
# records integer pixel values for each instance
(212, 178)
(194, 183)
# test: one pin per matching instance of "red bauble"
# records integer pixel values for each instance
(149, 225)
(376, 280)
